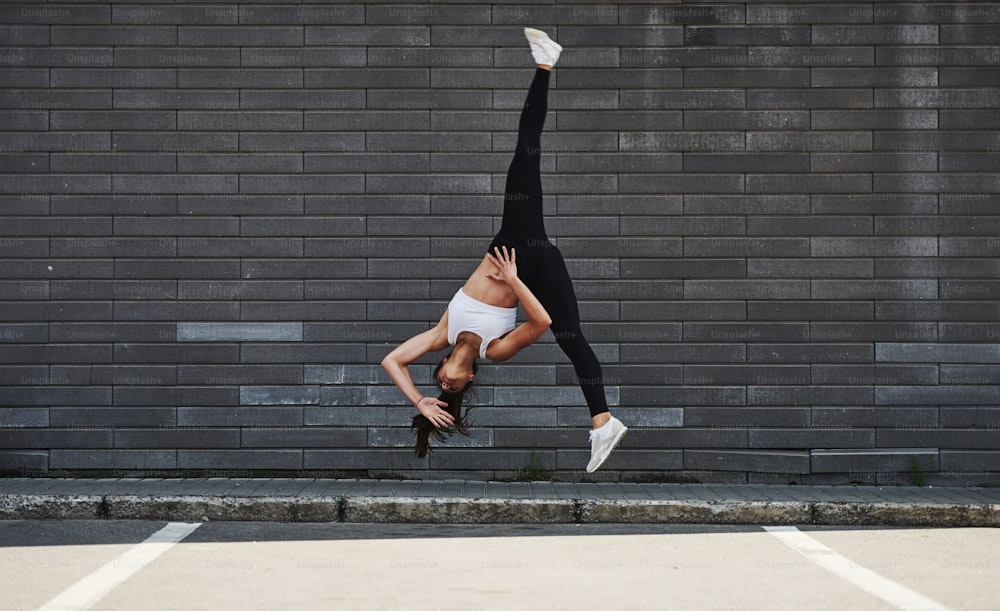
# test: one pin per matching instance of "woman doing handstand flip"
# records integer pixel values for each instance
(520, 266)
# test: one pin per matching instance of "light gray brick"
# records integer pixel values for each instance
(242, 331)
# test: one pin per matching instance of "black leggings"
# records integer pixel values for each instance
(539, 263)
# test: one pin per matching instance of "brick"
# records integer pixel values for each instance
(746, 417)
(683, 268)
(303, 268)
(262, 78)
(955, 311)
(360, 35)
(133, 375)
(882, 77)
(880, 417)
(298, 353)
(364, 459)
(971, 461)
(239, 459)
(241, 375)
(337, 14)
(244, 416)
(873, 246)
(187, 437)
(244, 331)
(112, 35)
(871, 203)
(788, 462)
(812, 225)
(25, 416)
(814, 394)
(936, 352)
(238, 247)
(818, 98)
(809, 268)
(953, 183)
(323, 99)
(301, 183)
(228, 204)
(877, 459)
(972, 375)
(345, 415)
(745, 331)
(667, 142)
(966, 439)
(668, 14)
(809, 353)
(959, 98)
(709, 35)
(28, 333)
(301, 226)
(875, 289)
(112, 459)
(882, 331)
(935, 395)
(295, 437)
(748, 77)
(811, 438)
(940, 12)
(745, 162)
(875, 34)
(810, 14)
(966, 332)
(684, 353)
(748, 289)
(808, 183)
(681, 99)
(24, 35)
(11, 438)
(682, 183)
(244, 36)
(876, 162)
(61, 14)
(127, 396)
(174, 56)
(809, 141)
(24, 462)
(264, 143)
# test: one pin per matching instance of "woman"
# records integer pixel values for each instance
(520, 266)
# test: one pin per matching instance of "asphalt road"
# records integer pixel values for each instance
(265, 566)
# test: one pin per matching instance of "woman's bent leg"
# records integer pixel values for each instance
(554, 289)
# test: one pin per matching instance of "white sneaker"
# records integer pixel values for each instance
(603, 440)
(544, 50)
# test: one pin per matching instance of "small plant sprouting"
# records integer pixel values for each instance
(533, 471)
(917, 475)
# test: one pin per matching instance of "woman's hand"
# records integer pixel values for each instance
(505, 263)
(431, 409)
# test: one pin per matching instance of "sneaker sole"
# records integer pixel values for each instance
(618, 440)
(541, 38)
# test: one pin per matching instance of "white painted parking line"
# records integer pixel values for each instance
(92, 588)
(888, 590)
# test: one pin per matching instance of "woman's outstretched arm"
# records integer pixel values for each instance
(396, 365)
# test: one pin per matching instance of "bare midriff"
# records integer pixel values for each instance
(489, 291)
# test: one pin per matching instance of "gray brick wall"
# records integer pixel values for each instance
(781, 218)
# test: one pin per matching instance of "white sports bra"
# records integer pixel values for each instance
(487, 321)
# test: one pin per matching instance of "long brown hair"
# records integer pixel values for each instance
(455, 400)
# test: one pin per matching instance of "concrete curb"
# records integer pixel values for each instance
(444, 510)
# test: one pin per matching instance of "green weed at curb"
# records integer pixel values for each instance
(533, 471)
(917, 475)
